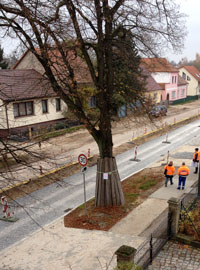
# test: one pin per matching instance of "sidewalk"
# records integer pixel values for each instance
(76, 249)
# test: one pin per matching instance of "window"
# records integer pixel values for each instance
(183, 92)
(23, 109)
(92, 102)
(44, 106)
(155, 96)
(173, 94)
(58, 104)
(173, 79)
(188, 78)
(184, 75)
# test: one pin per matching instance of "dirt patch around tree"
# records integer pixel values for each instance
(136, 189)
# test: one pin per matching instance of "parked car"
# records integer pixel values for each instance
(159, 110)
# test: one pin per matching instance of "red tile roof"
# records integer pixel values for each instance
(162, 85)
(151, 84)
(58, 66)
(158, 65)
(193, 71)
(22, 84)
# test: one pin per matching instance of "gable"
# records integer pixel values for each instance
(192, 70)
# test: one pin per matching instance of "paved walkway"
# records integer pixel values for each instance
(175, 256)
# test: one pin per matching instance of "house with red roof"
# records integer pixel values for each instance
(29, 61)
(27, 102)
(174, 88)
(192, 75)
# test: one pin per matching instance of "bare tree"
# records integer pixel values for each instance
(99, 31)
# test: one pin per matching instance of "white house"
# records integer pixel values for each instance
(27, 102)
(192, 75)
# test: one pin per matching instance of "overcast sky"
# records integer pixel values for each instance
(192, 41)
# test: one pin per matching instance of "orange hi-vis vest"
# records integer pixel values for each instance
(196, 156)
(170, 169)
(183, 170)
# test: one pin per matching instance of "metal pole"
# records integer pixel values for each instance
(85, 209)
(151, 249)
(198, 194)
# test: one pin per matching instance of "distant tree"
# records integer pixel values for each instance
(12, 58)
(183, 61)
(173, 63)
(3, 62)
(196, 62)
(96, 28)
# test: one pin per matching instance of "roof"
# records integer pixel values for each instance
(158, 65)
(181, 81)
(151, 84)
(193, 71)
(58, 66)
(162, 85)
(22, 84)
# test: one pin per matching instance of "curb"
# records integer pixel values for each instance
(146, 135)
(2, 190)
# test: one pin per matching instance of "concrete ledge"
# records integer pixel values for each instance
(186, 239)
(136, 222)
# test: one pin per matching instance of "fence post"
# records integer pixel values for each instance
(41, 170)
(174, 211)
(125, 254)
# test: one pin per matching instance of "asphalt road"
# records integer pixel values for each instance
(46, 205)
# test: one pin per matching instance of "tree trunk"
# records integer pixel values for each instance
(108, 186)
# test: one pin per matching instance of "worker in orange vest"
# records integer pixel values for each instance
(183, 172)
(196, 160)
(169, 173)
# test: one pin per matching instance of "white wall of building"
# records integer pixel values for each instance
(38, 116)
(193, 86)
(161, 77)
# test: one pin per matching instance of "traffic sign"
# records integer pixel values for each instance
(82, 159)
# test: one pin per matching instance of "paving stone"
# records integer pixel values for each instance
(175, 256)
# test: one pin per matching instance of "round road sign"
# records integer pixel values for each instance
(82, 159)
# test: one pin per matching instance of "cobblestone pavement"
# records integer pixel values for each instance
(176, 256)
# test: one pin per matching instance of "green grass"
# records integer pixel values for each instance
(147, 185)
(130, 197)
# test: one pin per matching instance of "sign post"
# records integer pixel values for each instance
(82, 159)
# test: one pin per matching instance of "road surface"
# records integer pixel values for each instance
(51, 202)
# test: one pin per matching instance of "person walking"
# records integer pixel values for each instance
(196, 160)
(183, 172)
(169, 173)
